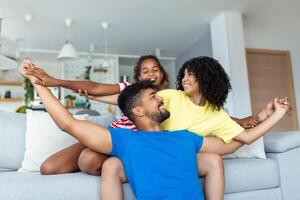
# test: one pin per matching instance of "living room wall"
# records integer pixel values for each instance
(278, 34)
(201, 48)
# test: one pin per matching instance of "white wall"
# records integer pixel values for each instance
(229, 48)
(280, 31)
(201, 48)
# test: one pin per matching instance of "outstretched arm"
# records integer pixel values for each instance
(250, 135)
(44, 79)
(91, 135)
(111, 99)
(216, 145)
(254, 120)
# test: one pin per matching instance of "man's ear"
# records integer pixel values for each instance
(138, 111)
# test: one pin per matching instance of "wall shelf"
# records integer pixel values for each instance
(9, 100)
(12, 83)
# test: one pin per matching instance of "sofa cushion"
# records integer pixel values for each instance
(12, 139)
(5, 169)
(288, 164)
(254, 150)
(72, 186)
(281, 141)
(43, 138)
(271, 194)
(250, 174)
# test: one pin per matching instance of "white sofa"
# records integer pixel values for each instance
(274, 178)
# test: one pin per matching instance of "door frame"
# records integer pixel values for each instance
(289, 72)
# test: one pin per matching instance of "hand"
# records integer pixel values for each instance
(85, 94)
(282, 106)
(26, 64)
(270, 109)
(249, 122)
(43, 78)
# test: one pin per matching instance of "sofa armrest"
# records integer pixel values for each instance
(281, 141)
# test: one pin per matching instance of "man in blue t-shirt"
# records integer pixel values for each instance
(158, 164)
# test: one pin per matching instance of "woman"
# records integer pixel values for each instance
(203, 87)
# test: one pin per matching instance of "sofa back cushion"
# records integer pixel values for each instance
(254, 150)
(12, 139)
(43, 138)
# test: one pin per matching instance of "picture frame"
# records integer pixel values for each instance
(54, 90)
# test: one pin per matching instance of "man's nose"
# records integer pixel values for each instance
(160, 98)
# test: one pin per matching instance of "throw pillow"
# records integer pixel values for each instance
(43, 138)
(255, 150)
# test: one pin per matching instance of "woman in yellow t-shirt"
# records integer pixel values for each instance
(197, 105)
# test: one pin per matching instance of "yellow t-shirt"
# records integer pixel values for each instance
(202, 120)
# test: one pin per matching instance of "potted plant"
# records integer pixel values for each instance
(29, 89)
(7, 94)
(70, 100)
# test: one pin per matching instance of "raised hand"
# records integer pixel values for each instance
(27, 64)
(43, 78)
(270, 108)
(281, 106)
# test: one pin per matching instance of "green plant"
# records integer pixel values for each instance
(87, 77)
(71, 97)
(22, 109)
(29, 89)
(87, 73)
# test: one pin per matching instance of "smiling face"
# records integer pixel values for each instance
(190, 83)
(150, 71)
(153, 106)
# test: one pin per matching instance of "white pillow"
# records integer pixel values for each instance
(43, 138)
(255, 150)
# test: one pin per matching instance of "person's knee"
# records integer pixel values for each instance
(216, 164)
(88, 162)
(112, 167)
(48, 168)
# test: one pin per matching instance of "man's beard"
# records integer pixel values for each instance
(160, 116)
(164, 115)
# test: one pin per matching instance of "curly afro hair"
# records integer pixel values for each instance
(137, 70)
(214, 83)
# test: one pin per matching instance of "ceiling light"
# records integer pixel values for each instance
(28, 19)
(105, 62)
(67, 52)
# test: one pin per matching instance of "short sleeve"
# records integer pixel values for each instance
(197, 140)
(227, 128)
(119, 137)
(123, 85)
(166, 95)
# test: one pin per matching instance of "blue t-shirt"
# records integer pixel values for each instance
(159, 165)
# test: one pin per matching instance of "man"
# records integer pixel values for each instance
(158, 165)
